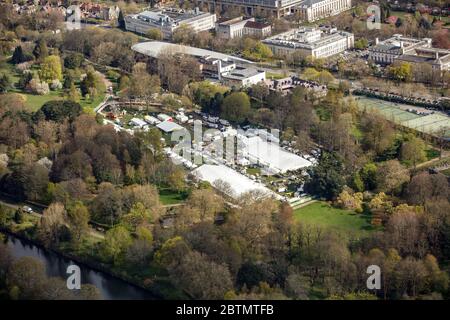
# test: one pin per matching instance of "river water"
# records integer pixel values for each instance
(111, 288)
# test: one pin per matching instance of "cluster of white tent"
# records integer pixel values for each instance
(237, 184)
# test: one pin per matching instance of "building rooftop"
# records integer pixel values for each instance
(397, 41)
(306, 37)
(256, 25)
(239, 184)
(169, 126)
(227, 21)
(155, 48)
(242, 73)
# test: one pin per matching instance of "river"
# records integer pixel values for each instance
(111, 288)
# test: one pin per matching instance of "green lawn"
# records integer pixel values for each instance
(323, 215)
(432, 153)
(34, 101)
(276, 76)
(167, 196)
(254, 171)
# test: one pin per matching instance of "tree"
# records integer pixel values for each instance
(27, 274)
(391, 175)
(379, 134)
(19, 56)
(121, 20)
(19, 216)
(236, 107)
(326, 178)
(51, 69)
(425, 187)
(73, 60)
(5, 83)
(107, 207)
(59, 110)
(51, 223)
(117, 241)
(361, 43)
(154, 34)
(325, 77)
(142, 84)
(413, 151)
(206, 202)
(35, 181)
(349, 201)
(401, 71)
(311, 74)
(200, 277)
(256, 50)
(79, 220)
(40, 51)
(369, 175)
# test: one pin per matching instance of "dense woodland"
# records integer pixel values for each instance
(62, 156)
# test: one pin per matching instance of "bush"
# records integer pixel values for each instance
(35, 86)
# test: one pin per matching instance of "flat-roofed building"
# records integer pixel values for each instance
(438, 59)
(313, 10)
(310, 41)
(411, 50)
(386, 51)
(274, 8)
(241, 26)
(243, 77)
(231, 28)
(167, 20)
(257, 29)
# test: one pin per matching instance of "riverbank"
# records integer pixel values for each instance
(84, 262)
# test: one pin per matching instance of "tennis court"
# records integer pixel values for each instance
(431, 123)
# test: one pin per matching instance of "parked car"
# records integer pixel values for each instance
(27, 209)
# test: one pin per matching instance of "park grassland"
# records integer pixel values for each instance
(34, 101)
(345, 222)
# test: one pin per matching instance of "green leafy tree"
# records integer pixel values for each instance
(326, 179)
(236, 107)
(51, 69)
(412, 151)
(116, 242)
(154, 34)
(79, 218)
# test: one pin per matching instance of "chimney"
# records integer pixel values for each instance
(436, 55)
(401, 44)
(376, 41)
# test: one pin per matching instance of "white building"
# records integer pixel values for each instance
(312, 10)
(231, 74)
(240, 26)
(309, 41)
(243, 77)
(411, 50)
(386, 51)
(168, 20)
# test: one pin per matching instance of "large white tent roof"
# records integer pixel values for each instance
(169, 126)
(272, 155)
(239, 183)
(155, 48)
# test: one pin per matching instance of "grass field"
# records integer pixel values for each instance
(34, 101)
(167, 196)
(343, 221)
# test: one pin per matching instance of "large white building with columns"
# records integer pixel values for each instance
(312, 10)
(308, 41)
